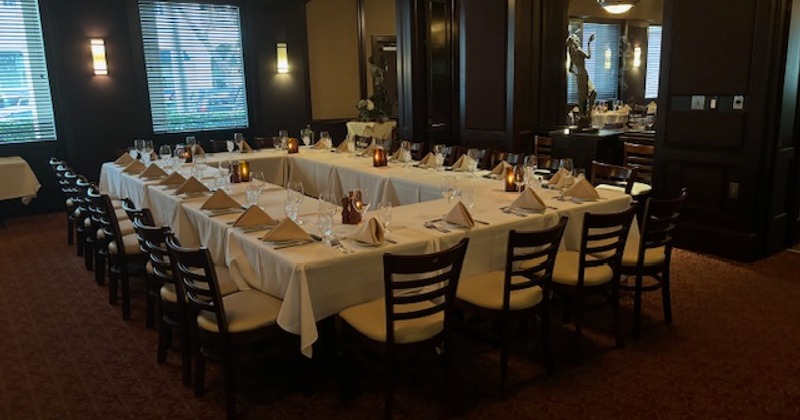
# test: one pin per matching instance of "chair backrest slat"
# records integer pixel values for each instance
(597, 238)
(541, 259)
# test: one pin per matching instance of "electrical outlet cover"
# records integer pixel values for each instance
(738, 102)
(698, 102)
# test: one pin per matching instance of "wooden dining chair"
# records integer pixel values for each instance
(640, 157)
(543, 147)
(594, 270)
(218, 146)
(651, 258)
(124, 256)
(225, 326)
(518, 293)
(618, 176)
(414, 315)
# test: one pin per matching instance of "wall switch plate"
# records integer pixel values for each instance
(698, 102)
(733, 190)
(738, 102)
(712, 103)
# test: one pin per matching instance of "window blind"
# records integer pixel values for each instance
(26, 104)
(653, 66)
(195, 68)
(603, 66)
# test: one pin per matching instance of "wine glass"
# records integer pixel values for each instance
(448, 187)
(361, 200)
(325, 225)
(238, 138)
(165, 152)
(148, 150)
(566, 167)
(385, 214)
(138, 144)
(230, 145)
(519, 177)
(252, 193)
(325, 137)
(327, 204)
(291, 208)
(179, 156)
(306, 139)
(284, 136)
(474, 155)
(200, 165)
(467, 197)
(225, 168)
(276, 143)
(439, 150)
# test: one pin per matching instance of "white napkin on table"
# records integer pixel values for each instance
(287, 230)
(528, 200)
(191, 185)
(254, 216)
(124, 159)
(220, 200)
(583, 190)
(345, 147)
(153, 171)
(459, 215)
(559, 180)
(134, 167)
(174, 179)
(370, 233)
(369, 150)
(429, 161)
(323, 144)
(463, 164)
(500, 169)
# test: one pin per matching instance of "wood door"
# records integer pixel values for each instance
(440, 54)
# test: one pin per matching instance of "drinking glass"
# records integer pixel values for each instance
(165, 152)
(138, 144)
(257, 178)
(361, 200)
(385, 214)
(191, 141)
(327, 204)
(473, 154)
(238, 138)
(439, 151)
(467, 197)
(325, 225)
(252, 192)
(530, 161)
(225, 168)
(291, 208)
(305, 138)
(284, 135)
(295, 191)
(220, 181)
(180, 154)
(230, 146)
(519, 177)
(200, 164)
(566, 167)
(148, 150)
(276, 143)
(448, 187)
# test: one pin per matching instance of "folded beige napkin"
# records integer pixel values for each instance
(459, 215)
(246, 147)
(323, 144)
(345, 147)
(528, 200)
(369, 150)
(429, 161)
(254, 216)
(370, 233)
(124, 159)
(463, 164)
(220, 200)
(560, 181)
(191, 185)
(583, 190)
(287, 230)
(174, 179)
(399, 156)
(134, 167)
(500, 169)
(153, 171)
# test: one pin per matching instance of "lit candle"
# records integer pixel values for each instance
(244, 171)
(292, 145)
(379, 157)
(509, 180)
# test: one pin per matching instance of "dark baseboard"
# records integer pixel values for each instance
(739, 246)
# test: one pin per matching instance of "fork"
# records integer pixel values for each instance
(509, 210)
(431, 225)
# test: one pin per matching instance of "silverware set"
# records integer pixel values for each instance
(336, 243)
(432, 225)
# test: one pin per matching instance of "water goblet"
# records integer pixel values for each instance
(252, 193)
(148, 150)
(164, 152)
(200, 164)
(230, 145)
(467, 197)
(474, 155)
(325, 225)
(385, 214)
(138, 144)
(325, 137)
(284, 135)
(519, 177)
(291, 208)
(305, 138)
(276, 143)
(448, 187)
(327, 204)
(238, 138)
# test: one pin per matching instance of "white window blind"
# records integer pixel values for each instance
(603, 66)
(26, 105)
(653, 62)
(195, 68)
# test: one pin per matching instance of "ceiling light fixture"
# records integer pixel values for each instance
(617, 6)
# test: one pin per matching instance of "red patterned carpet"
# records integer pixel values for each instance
(731, 353)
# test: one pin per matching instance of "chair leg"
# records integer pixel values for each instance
(615, 315)
(637, 307)
(88, 254)
(126, 290)
(164, 333)
(547, 345)
(70, 231)
(80, 239)
(230, 388)
(99, 268)
(199, 373)
(388, 408)
(150, 316)
(186, 355)
(666, 296)
(113, 278)
(503, 357)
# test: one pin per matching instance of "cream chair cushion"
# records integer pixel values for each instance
(69, 202)
(370, 319)
(566, 270)
(125, 227)
(131, 243)
(245, 311)
(121, 215)
(486, 291)
(652, 256)
(226, 285)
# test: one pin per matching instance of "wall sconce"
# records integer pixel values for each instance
(617, 6)
(607, 64)
(283, 58)
(99, 62)
(637, 57)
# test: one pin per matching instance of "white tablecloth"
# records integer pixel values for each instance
(371, 129)
(612, 118)
(316, 281)
(17, 180)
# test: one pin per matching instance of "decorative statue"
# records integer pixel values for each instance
(586, 92)
(378, 105)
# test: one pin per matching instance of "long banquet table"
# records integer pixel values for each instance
(316, 281)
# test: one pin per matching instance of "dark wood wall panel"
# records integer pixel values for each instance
(713, 46)
(706, 130)
(484, 84)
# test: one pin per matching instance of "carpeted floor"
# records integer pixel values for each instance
(731, 353)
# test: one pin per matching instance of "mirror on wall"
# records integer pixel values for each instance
(342, 37)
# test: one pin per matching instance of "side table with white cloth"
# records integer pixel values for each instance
(17, 180)
(381, 130)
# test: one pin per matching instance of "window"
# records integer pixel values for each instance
(194, 64)
(26, 106)
(653, 62)
(603, 66)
